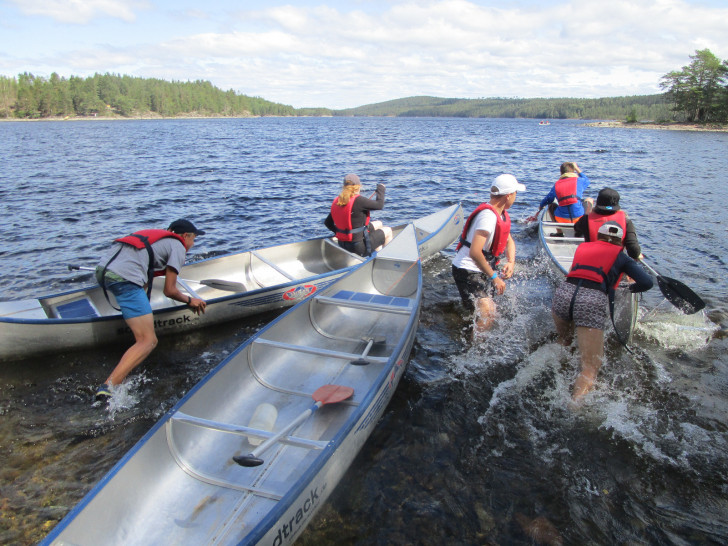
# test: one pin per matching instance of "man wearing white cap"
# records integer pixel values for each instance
(485, 239)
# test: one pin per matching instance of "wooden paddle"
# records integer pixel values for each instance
(219, 284)
(677, 293)
(328, 394)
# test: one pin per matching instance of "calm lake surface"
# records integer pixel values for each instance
(478, 445)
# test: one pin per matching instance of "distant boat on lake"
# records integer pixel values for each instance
(544, 122)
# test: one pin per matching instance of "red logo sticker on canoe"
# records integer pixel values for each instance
(300, 292)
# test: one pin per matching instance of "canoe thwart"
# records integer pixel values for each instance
(241, 430)
(556, 239)
(315, 350)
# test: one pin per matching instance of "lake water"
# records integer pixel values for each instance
(478, 445)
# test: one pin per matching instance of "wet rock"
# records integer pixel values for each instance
(540, 529)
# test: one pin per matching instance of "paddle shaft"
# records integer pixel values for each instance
(182, 282)
(283, 432)
(219, 284)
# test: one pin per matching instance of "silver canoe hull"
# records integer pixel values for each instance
(559, 244)
(179, 484)
(273, 278)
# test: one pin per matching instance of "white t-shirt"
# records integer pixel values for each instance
(484, 221)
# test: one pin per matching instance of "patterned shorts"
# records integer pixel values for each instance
(590, 306)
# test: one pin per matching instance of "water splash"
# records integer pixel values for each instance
(674, 330)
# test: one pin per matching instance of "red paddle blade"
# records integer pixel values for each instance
(331, 394)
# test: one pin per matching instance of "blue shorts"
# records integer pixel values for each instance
(132, 299)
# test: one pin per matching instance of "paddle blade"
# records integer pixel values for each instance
(248, 460)
(331, 394)
(228, 286)
(680, 295)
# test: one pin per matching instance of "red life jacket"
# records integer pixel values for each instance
(595, 221)
(341, 215)
(593, 260)
(145, 238)
(566, 191)
(500, 237)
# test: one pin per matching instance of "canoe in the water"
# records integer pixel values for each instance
(559, 242)
(180, 483)
(235, 286)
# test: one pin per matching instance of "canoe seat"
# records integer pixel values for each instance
(373, 302)
(77, 309)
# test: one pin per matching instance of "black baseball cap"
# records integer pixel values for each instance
(184, 226)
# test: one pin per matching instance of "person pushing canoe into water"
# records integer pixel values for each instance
(349, 219)
(127, 271)
(581, 300)
(485, 239)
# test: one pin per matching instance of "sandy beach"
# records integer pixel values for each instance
(711, 127)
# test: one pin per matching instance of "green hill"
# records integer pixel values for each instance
(644, 107)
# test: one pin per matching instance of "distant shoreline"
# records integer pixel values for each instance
(671, 126)
(668, 126)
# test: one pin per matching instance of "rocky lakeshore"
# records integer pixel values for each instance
(673, 126)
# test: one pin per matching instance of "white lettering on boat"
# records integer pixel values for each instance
(160, 323)
(288, 529)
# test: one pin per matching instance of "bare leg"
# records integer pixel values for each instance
(146, 340)
(591, 347)
(376, 224)
(485, 310)
(387, 234)
(564, 330)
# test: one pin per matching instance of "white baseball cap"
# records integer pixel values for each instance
(611, 229)
(505, 184)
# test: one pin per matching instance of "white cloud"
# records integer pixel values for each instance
(81, 11)
(341, 57)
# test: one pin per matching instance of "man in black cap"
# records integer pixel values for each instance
(607, 209)
(128, 268)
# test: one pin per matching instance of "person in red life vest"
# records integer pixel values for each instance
(607, 209)
(582, 299)
(349, 219)
(485, 239)
(568, 191)
(128, 268)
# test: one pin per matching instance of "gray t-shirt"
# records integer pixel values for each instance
(131, 263)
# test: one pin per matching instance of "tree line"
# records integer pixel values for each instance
(648, 107)
(30, 97)
(696, 93)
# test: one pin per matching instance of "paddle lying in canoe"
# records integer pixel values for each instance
(677, 293)
(328, 394)
(218, 284)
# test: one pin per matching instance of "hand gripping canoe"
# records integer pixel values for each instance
(328, 394)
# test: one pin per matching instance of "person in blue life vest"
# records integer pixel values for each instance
(127, 271)
(607, 209)
(582, 299)
(486, 238)
(568, 193)
(349, 219)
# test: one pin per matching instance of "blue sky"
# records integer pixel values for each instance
(343, 54)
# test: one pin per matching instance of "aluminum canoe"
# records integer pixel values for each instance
(559, 242)
(180, 485)
(250, 283)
